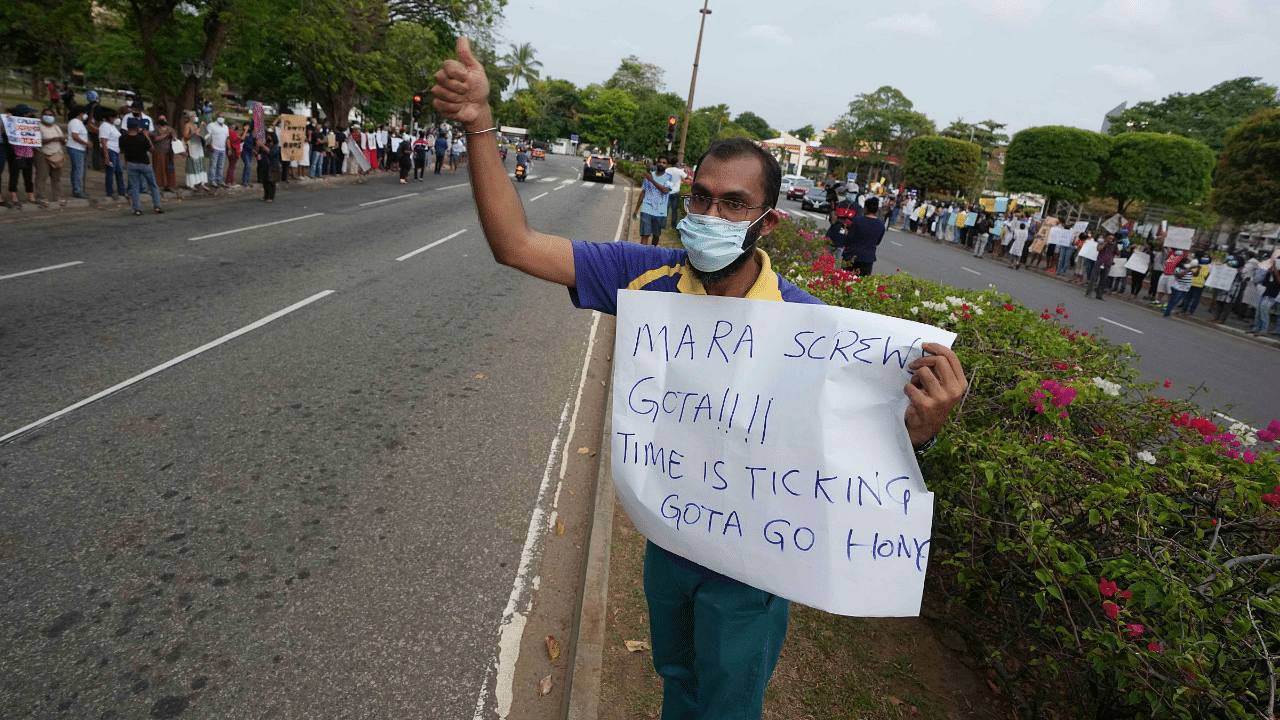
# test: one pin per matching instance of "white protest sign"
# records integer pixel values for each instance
(1113, 223)
(1079, 227)
(1138, 262)
(765, 441)
(1089, 250)
(1179, 237)
(1220, 277)
(1060, 236)
(23, 131)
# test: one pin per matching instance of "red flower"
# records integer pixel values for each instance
(1106, 587)
(1134, 629)
(966, 316)
(1058, 310)
(1126, 594)
(1154, 647)
(1066, 315)
(1168, 384)
(1111, 609)
(1007, 306)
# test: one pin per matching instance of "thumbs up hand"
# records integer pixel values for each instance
(462, 89)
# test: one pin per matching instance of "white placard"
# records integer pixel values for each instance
(1089, 250)
(23, 131)
(1060, 236)
(1113, 223)
(1220, 277)
(1138, 262)
(765, 441)
(1179, 237)
(1079, 227)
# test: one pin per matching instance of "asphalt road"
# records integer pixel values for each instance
(323, 515)
(1223, 372)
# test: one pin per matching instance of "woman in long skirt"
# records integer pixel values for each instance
(197, 173)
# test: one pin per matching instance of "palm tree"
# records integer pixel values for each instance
(520, 65)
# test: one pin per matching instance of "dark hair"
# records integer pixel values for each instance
(664, 158)
(730, 148)
(872, 205)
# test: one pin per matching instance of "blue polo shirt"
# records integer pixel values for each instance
(602, 269)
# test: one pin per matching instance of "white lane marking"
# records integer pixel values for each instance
(895, 242)
(570, 181)
(531, 177)
(425, 248)
(511, 175)
(626, 202)
(607, 188)
(547, 179)
(165, 366)
(587, 183)
(398, 197)
(975, 272)
(520, 602)
(450, 187)
(255, 227)
(535, 197)
(1126, 327)
(559, 187)
(40, 270)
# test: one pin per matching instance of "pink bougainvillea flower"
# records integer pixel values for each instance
(1154, 647)
(1066, 315)
(1168, 384)
(1126, 594)
(1134, 629)
(1106, 587)
(1271, 499)
(1007, 306)
(1249, 456)
(1058, 310)
(1111, 609)
(1047, 436)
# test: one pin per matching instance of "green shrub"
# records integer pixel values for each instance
(1110, 553)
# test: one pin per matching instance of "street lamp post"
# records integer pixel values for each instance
(196, 70)
(688, 108)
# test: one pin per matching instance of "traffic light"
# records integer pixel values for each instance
(671, 128)
(417, 105)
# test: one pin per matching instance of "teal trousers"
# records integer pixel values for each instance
(715, 643)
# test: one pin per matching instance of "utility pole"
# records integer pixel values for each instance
(688, 108)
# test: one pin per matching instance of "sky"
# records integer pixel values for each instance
(1024, 63)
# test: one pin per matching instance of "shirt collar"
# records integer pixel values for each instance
(765, 287)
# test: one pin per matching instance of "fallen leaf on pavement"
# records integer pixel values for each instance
(559, 527)
(544, 687)
(553, 647)
(637, 645)
(584, 451)
(479, 377)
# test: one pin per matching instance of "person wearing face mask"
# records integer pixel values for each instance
(20, 161)
(136, 148)
(865, 233)
(109, 138)
(50, 159)
(162, 155)
(1179, 285)
(196, 170)
(715, 639)
(651, 206)
(218, 135)
(77, 144)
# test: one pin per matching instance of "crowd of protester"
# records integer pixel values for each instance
(138, 154)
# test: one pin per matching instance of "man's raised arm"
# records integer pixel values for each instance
(462, 94)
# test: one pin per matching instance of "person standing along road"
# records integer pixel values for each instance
(1270, 289)
(1018, 249)
(1102, 266)
(233, 154)
(442, 148)
(109, 136)
(673, 199)
(196, 173)
(404, 159)
(20, 160)
(93, 116)
(162, 160)
(1199, 274)
(136, 148)
(77, 143)
(247, 145)
(419, 156)
(651, 208)
(716, 640)
(381, 137)
(1180, 283)
(51, 158)
(219, 133)
(455, 152)
(268, 166)
(315, 137)
(865, 233)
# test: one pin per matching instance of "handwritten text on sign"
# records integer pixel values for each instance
(22, 131)
(765, 441)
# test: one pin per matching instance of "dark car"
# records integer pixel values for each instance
(799, 188)
(597, 167)
(815, 199)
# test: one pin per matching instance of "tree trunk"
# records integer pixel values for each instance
(155, 20)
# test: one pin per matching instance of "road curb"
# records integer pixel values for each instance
(1224, 329)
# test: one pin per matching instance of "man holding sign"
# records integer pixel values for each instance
(716, 639)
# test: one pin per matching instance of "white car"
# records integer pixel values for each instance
(787, 181)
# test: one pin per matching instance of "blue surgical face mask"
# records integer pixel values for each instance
(713, 242)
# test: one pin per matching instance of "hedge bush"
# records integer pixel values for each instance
(1111, 552)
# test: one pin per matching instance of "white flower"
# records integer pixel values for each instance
(915, 311)
(955, 300)
(952, 318)
(978, 310)
(1244, 433)
(1106, 386)
(1146, 457)
(917, 293)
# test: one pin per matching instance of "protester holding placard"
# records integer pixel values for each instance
(1137, 264)
(715, 640)
(1199, 274)
(22, 133)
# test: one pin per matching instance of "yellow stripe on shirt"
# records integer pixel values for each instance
(765, 287)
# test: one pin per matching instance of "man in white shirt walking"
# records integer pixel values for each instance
(218, 132)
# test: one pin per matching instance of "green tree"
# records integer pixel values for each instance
(520, 65)
(1054, 161)
(881, 124)
(936, 163)
(1206, 116)
(755, 125)
(647, 135)
(716, 117)
(639, 79)
(1152, 166)
(46, 35)
(609, 116)
(1247, 180)
(805, 133)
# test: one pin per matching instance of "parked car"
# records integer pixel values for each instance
(787, 181)
(598, 167)
(799, 188)
(815, 199)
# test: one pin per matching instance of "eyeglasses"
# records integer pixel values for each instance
(732, 210)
